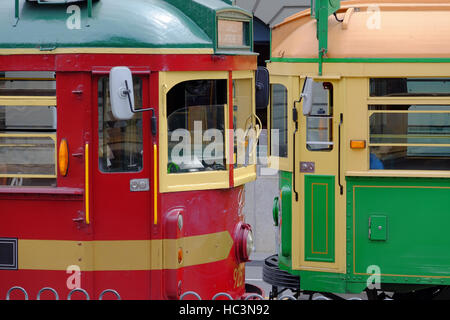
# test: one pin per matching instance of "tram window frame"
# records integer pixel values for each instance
(244, 89)
(243, 108)
(273, 151)
(400, 87)
(28, 83)
(196, 105)
(34, 97)
(409, 137)
(326, 145)
(119, 129)
(200, 180)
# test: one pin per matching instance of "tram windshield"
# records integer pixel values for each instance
(196, 126)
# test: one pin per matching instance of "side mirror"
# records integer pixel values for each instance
(262, 88)
(307, 96)
(121, 93)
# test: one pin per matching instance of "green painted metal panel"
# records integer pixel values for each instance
(319, 218)
(154, 24)
(285, 218)
(416, 216)
(378, 228)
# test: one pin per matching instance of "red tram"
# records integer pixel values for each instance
(94, 206)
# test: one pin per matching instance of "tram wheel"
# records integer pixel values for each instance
(279, 279)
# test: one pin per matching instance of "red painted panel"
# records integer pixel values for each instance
(116, 213)
(90, 62)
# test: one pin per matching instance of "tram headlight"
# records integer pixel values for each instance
(250, 243)
(244, 242)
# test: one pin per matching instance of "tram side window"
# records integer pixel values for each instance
(319, 122)
(279, 121)
(27, 83)
(410, 137)
(27, 132)
(242, 120)
(120, 141)
(415, 87)
(196, 126)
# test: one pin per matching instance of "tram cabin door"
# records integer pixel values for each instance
(319, 185)
(122, 189)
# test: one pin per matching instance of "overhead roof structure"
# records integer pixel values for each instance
(115, 24)
(273, 12)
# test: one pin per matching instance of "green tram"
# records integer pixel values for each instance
(360, 102)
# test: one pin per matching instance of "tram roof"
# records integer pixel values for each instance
(114, 24)
(380, 29)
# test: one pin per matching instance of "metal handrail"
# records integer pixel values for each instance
(8, 294)
(38, 297)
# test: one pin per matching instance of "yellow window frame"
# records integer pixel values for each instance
(246, 174)
(206, 180)
(292, 85)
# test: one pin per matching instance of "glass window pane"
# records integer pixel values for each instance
(279, 121)
(243, 122)
(28, 118)
(27, 83)
(120, 142)
(398, 87)
(319, 134)
(196, 126)
(27, 145)
(27, 155)
(409, 158)
(420, 135)
(410, 128)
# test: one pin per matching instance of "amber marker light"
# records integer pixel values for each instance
(180, 255)
(63, 157)
(358, 144)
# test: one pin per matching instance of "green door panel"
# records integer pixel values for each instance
(319, 218)
(408, 234)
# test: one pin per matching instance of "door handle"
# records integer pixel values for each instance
(341, 187)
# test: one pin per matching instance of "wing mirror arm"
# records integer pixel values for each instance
(127, 92)
(122, 97)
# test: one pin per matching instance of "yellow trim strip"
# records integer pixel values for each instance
(155, 184)
(29, 176)
(109, 51)
(124, 255)
(27, 79)
(399, 173)
(27, 101)
(409, 144)
(86, 176)
(32, 135)
(444, 112)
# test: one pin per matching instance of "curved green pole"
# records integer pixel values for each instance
(17, 10)
(321, 10)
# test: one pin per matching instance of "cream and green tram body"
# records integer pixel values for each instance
(359, 117)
